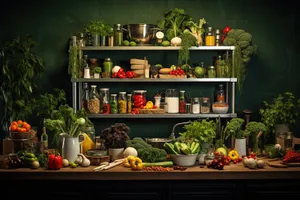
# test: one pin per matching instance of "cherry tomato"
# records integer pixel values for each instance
(19, 121)
(27, 127)
(14, 123)
(226, 29)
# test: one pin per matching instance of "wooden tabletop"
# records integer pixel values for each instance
(232, 172)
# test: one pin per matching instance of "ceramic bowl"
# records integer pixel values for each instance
(220, 108)
(184, 160)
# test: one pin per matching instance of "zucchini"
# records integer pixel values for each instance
(177, 147)
(196, 148)
(193, 145)
(170, 148)
(161, 164)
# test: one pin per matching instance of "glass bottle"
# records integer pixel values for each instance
(288, 141)
(182, 102)
(196, 106)
(104, 100)
(220, 67)
(122, 103)
(81, 41)
(228, 63)
(139, 98)
(107, 67)
(44, 139)
(220, 94)
(118, 35)
(129, 103)
(210, 39)
(211, 72)
(85, 96)
(87, 73)
(113, 104)
(218, 37)
(94, 101)
(205, 105)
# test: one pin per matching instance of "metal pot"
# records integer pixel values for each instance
(157, 142)
(142, 34)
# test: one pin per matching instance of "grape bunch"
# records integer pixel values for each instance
(218, 162)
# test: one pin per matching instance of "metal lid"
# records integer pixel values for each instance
(205, 99)
(93, 86)
(129, 94)
(107, 59)
(113, 95)
(211, 67)
(139, 91)
(122, 92)
(104, 89)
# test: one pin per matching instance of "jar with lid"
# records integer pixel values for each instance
(221, 67)
(288, 141)
(139, 98)
(220, 94)
(196, 106)
(104, 100)
(129, 103)
(280, 138)
(118, 35)
(94, 101)
(122, 103)
(205, 105)
(113, 104)
(210, 37)
(85, 96)
(182, 102)
(211, 72)
(107, 67)
(172, 100)
(218, 37)
(228, 64)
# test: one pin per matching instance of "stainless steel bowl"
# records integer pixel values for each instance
(157, 142)
(142, 34)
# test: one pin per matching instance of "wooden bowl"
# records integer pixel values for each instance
(20, 135)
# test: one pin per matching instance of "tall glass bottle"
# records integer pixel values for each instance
(113, 104)
(85, 96)
(210, 39)
(182, 102)
(118, 35)
(44, 140)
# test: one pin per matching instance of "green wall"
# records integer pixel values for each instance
(273, 26)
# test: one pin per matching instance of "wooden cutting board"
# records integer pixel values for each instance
(278, 164)
(152, 111)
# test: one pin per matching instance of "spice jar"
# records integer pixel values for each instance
(196, 106)
(129, 103)
(210, 37)
(107, 66)
(94, 101)
(288, 141)
(104, 99)
(205, 105)
(139, 98)
(118, 35)
(113, 104)
(211, 72)
(122, 103)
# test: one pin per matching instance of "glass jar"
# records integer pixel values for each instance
(205, 105)
(220, 94)
(118, 35)
(113, 104)
(221, 68)
(196, 106)
(280, 139)
(139, 98)
(172, 99)
(210, 38)
(129, 103)
(107, 67)
(182, 102)
(94, 101)
(218, 37)
(85, 96)
(211, 72)
(288, 141)
(122, 103)
(104, 99)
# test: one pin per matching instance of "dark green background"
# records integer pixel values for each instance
(273, 24)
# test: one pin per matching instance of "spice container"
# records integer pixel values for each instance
(139, 98)
(188, 108)
(205, 105)
(122, 103)
(182, 102)
(196, 106)
(218, 37)
(129, 103)
(118, 35)
(104, 98)
(211, 72)
(94, 101)
(210, 39)
(86, 73)
(113, 104)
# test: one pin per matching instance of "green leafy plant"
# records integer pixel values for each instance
(196, 30)
(234, 128)
(20, 68)
(244, 50)
(98, 27)
(188, 40)
(97, 70)
(284, 109)
(76, 63)
(255, 129)
(174, 22)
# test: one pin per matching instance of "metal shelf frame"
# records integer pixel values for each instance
(153, 48)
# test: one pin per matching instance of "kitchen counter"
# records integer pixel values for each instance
(232, 172)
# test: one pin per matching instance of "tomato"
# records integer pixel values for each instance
(27, 126)
(19, 121)
(226, 29)
(23, 130)
(14, 123)
(13, 127)
(18, 129)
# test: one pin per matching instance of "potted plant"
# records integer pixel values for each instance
(20, 68)
(255, 130)
(105, 30)
(94, 28)
(204, 131)
(115, 138)
(281, 112)
(96, 71)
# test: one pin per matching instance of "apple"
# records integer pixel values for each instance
(222, 150)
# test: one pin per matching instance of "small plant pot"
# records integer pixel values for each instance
(96, 75)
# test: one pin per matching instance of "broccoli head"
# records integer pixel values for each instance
(235, 33)
(229, 41)
(243, 44)
(245, 37)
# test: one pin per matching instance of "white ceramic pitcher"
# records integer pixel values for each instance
(71, 146)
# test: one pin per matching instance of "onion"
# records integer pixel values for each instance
(130, 151)
(115, 69)
(251, 163)
(176, 41)
(260, 163)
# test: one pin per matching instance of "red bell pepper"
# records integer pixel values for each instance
(115, 75)
(54, 161)
(121, 73)
(130, 74)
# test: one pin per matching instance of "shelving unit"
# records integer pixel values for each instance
(77, 83)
